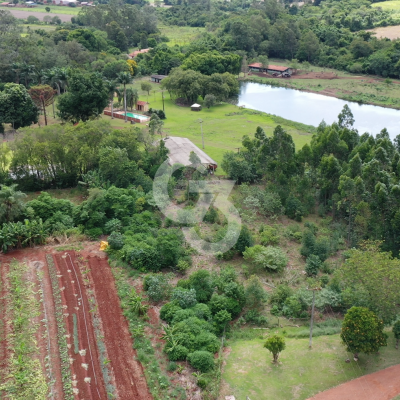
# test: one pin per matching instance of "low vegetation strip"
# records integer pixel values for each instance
(25, 378)
(62, 332)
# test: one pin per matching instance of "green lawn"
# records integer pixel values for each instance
(388, 5)
(180, 35)
(301, 373)
(223, 125)
(53, 9)
(33, 27)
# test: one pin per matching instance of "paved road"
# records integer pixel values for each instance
(381, 385)
(25, 14)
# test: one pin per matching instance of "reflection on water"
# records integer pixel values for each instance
(311, 108)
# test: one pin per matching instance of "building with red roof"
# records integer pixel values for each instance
(271, 69)
(136, 52)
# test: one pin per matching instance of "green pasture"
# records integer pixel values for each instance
(223, 125)
(301, 373)
(180, 35)
(53, 9)
(388, 5)
(33, 27)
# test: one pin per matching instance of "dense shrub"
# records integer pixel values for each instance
(211, 216)
(157, 286)
(93, 233)
(201, 360)
(255, 293)
(272, 258)
(186, 298)
(113, 225)
(269, 236)
(177, 353)
(116, 241)
(202, 283)
(168, 311)
(245, 240)
(313, 265)
(294, 209)
(280, 294)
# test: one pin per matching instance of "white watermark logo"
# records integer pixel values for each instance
(209, 192)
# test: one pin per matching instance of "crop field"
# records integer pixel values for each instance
(390, 32)
(58, 314)
(180, 35)
(301, 373)
(53, 9)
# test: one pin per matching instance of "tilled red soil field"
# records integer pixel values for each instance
(129, 377)
(87, 292)
(84, 358)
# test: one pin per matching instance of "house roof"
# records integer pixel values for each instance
(179, 151)
(271, 67)
(3, 4)
(195, 105)
(136, 52)
(141, 103)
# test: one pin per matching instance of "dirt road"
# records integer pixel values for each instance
(381, 385)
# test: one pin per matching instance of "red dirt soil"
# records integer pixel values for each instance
(129, 377)
(74, 298)
(381, 385)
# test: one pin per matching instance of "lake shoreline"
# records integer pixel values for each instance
(287, 85)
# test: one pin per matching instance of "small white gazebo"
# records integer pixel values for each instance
(195, 107)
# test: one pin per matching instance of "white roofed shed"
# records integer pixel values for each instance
(179, 152)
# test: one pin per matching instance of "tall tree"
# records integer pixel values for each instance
(378, 273)
(42, 96)
(124, 78)
(17, 107)
(87, 97)
(132, 97)
(362, 331)
(111, 88)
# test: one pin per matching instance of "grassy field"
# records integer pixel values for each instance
(388, 5)
(390, 32)
(301, 373)
(53, 9)
(365, 89)
(180, 35)
(33, 27)
(223, 125)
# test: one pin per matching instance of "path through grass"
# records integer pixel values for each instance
(301, 372)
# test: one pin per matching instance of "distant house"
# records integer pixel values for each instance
(157, 78)
(136, 52)
(142, 106)
(4, 4)
(195, 107)
(271, 69)
(64, 2)
(180, 149)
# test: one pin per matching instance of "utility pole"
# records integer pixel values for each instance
(202, 136)
(312, 316)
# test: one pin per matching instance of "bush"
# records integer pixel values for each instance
(255, 293)
(269, 236)
(313, 265)
(254, 317)
(168, 311)
(186, 298)
(201, 360)
(113, 225)
(202, 283)
(322, 248)
(292, 307)
(280, 294)
(157, 286)
(172, 366)
(211, 216)
(308, 243)
(202, 383)
(294, 208)
(244, 240)
(221, 302)
(93, 233)
(116, 241)
(269, 257)
(177, 353)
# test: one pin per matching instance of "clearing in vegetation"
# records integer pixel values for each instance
(393, 5)
(300, 373)
(390, 32)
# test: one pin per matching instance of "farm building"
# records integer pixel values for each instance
(136, 52)
(195, 107)
(142, 106)
(179, 152)
(157, 78)
(271, 69)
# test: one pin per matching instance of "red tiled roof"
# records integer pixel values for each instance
(271, 67)
(136, 52)
(141, 103)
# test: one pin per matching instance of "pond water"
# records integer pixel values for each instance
(312, 108)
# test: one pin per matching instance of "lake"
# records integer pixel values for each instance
(312, 108)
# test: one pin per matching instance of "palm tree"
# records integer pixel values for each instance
(62, 77)
(111, 87)
(26, 71)
(39, 75)
(51, 77)
(124, 78)
(11, 204)
(132, 97)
